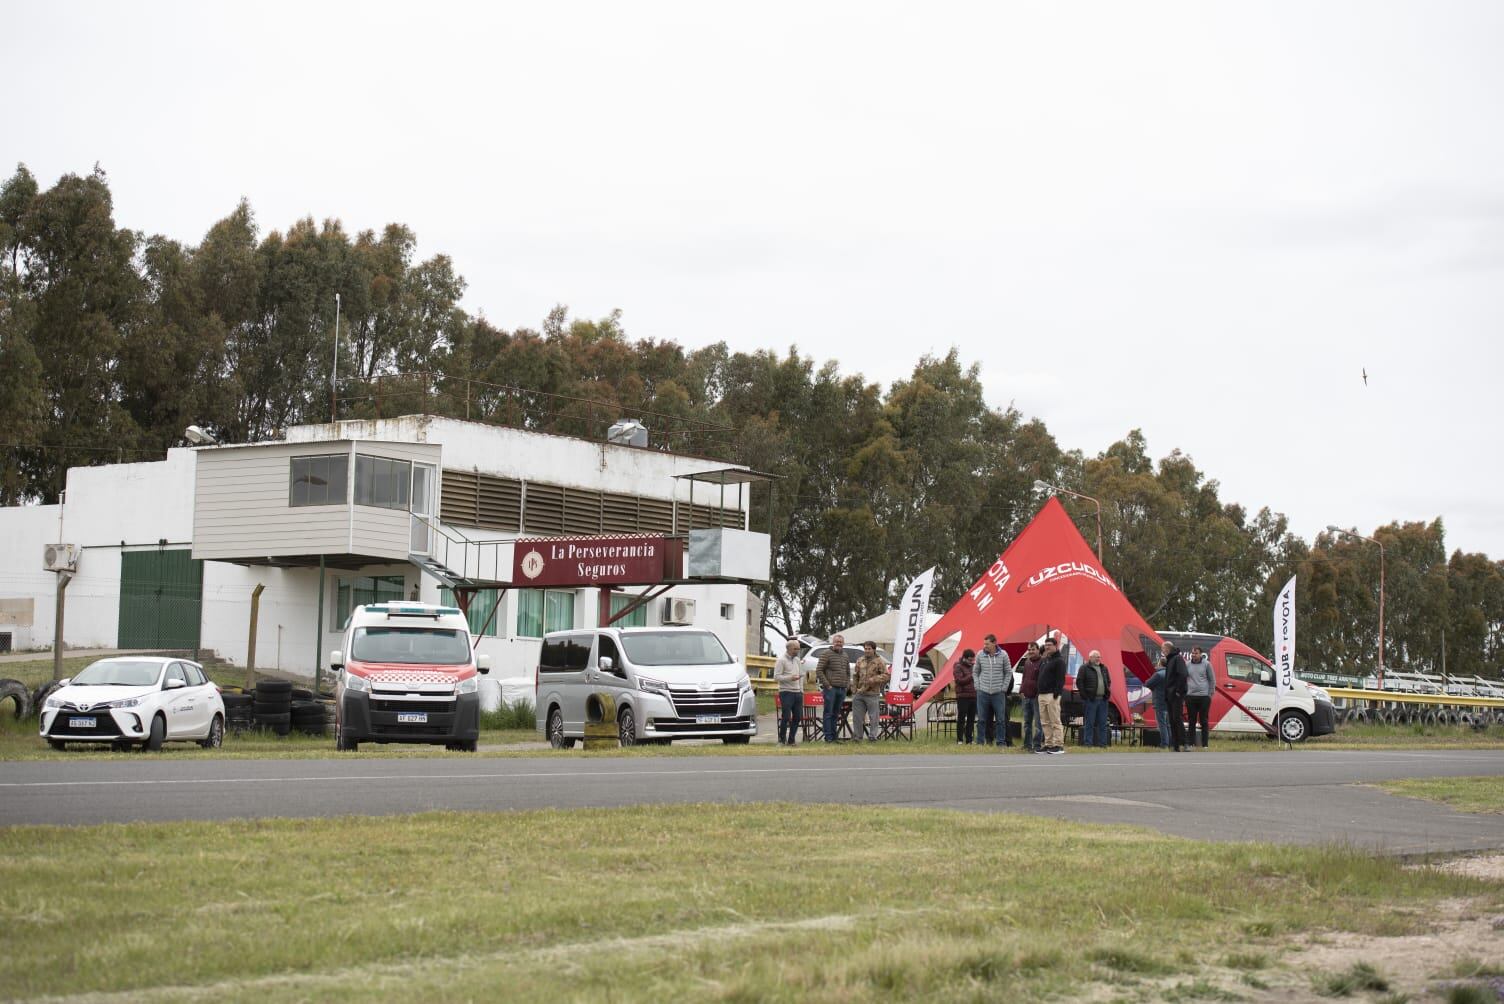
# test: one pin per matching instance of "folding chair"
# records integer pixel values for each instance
(897, 719)
(811, 723)
(942, 717)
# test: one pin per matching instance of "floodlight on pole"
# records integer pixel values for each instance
(1043, 486)
(334, 373)
(1332, 528)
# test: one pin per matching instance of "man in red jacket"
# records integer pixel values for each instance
(1028, 674)
(966, 697)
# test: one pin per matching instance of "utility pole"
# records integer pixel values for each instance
(63, 578)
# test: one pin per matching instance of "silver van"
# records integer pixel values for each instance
(665, 683)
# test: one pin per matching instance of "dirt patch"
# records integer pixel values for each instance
(1489, 867)
(1460, 932)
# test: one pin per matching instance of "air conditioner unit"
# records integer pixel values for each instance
(677, 611)
(60, 557)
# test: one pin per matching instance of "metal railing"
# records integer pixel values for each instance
(465, 559)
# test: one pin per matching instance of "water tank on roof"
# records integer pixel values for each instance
(627, 432)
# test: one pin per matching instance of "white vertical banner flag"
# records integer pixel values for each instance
(1284, 642)
(912, 611)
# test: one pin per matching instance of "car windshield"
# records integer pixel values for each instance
(674, 648)
(427, 646)
(133, 673)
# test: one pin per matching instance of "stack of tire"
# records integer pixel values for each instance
(309, 716)
(273, 706)
(239, 709)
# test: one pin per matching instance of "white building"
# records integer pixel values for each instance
(390, 509)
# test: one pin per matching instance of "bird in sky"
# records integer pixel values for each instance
(1365, 376)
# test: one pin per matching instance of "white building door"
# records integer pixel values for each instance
(423, 506)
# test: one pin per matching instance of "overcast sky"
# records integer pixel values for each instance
(1203, 220)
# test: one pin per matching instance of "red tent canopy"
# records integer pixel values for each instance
(1049, 581)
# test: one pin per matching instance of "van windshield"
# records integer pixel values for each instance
(426, 646)
(674, 648)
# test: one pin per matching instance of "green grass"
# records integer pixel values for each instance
(1361, 977)
(725, 903)
(1465, 794)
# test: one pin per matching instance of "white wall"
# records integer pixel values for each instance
(139, 505)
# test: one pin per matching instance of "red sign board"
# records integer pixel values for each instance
(595, 561)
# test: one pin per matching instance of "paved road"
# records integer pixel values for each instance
(1296, 797)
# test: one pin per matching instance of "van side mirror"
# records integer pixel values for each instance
(336, 659)
(64, 682)
(483, 663)
(1266, 677)
(607, 664)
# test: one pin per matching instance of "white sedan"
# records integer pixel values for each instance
(130, 700)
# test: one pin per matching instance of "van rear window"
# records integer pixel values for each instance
(674, 648)
(406, 645)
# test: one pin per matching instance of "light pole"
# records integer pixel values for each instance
(1352, 533)
(334, 371)
(1041, 486)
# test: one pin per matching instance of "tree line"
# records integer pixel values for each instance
(112, 342)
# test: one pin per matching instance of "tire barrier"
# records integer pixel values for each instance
(310, 717)
(16, 690)
(272, 708)
(40, 695)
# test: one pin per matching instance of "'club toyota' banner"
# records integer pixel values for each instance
(912, 610)
(1284, 640)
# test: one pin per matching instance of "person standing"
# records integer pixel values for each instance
(1200, 682)
(1175, 681)
(869, 683)
(1051, 686)
(1156, 685)
(1094, 685)
(994, 678)
(833, 676)
(1027, 672)
(966, 697)
(788, 671)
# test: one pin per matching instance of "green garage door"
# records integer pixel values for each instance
(161, 596)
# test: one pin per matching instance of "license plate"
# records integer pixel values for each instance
(412, 717)
(82, 723)
(707, 719)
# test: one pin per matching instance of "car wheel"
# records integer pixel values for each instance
(556, 737)
(216, 737)
(57, 744)
(343, 745)
(158, 734)
(1294, 726)
(626, 727)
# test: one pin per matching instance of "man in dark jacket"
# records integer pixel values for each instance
(966, 698)
(833, 675)
(1175, 683)
(1027, 672)
(1094, 686)
(1051, 686)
